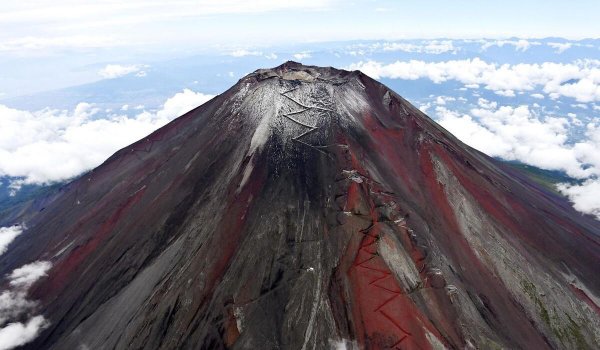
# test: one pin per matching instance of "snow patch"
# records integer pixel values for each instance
(261, 135)
(239, 318)
(343, 344)
(247, 171)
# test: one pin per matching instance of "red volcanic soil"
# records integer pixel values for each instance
(310, 208)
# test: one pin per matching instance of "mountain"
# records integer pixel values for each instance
(308, 208)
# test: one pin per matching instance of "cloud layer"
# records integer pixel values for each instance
(579, 80)
(51, 145)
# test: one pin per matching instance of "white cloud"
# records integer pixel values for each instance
(518, 133)
(51, 145)
(585, 197)
(579, 80)
(438, 47)
(111, 71)
(471, 132)
(17, 333)
(483, 103)
(441, 100)
(430, 47)
(538, 96)
(26, 275)
(182, 102)
(243, 52)
(7, 235)
(520, 45)
(505, 93)
(302, 55)
(271, 56)
(14, 305)
(425, 107)
(560, 47)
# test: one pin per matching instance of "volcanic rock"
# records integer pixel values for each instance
(310, 208)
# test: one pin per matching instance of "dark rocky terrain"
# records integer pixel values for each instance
(310, 208)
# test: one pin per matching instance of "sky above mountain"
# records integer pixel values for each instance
(136, 24)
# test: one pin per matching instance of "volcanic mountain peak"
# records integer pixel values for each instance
(306, 208)
(304, 104)
(291, 70)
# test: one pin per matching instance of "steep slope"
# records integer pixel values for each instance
(307, 208)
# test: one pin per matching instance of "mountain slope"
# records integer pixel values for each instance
(307, 208)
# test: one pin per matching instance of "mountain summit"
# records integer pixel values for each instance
(309, 208)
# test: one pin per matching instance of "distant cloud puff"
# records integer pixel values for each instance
(111, 71)
(505, 93)
(51, 145)
(302, 55)
(7, 235)
(520, 45)
(430, 47)
(560, 47)
(243, 52)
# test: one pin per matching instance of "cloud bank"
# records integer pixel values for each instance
(51, 145)
(579, 80)
(519, 133)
